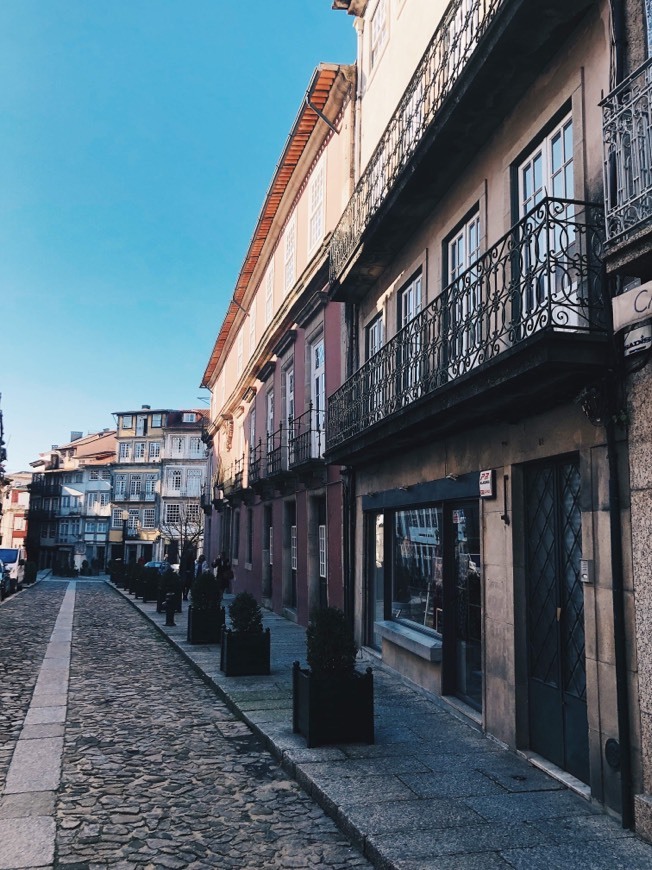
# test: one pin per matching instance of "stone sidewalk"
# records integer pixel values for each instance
(433, 791)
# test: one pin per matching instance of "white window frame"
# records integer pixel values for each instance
(290, 254)
(94, 474)
(154, 450)
(188, 417)
(175, 480)
(120, 484)
(139, 450)
(124, 451)
(316, 205)
(172, 513)
(157, 421)
(128, 421)
(293, 548)
(177, 443)
(149, 518)
(116, 518)
(378, 32)
(195, 447)
(135, 485)
(463, 251)
(321, 533)
(269, 296)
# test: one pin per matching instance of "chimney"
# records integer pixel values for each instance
(146, 407)
(75, 436)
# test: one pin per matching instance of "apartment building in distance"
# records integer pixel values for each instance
(70, 503)
(275, 507)
(15, 507)
(489, 537)
(157, 480)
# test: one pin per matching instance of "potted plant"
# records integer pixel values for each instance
(205, 615)
(331, 701)
(245, 647)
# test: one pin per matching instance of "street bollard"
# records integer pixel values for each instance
(170, 607)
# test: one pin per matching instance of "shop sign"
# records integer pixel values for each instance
(633, 306)
(488, 484)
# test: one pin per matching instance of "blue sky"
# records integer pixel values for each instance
(137, 140)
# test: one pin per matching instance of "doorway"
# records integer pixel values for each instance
(558, 723)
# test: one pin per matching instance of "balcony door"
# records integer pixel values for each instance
(464, 298)
(318, 397)
(409, 350)
(547, 243)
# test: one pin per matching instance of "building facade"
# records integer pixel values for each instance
(15, 507)
(275, 506)
(156, 484)
(489, 503)
(70, 496)
(627, 138)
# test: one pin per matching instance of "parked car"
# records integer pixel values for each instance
(5, 582)
(14, 559)
(162, 567)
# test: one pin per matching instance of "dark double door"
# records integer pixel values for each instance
(555, 616)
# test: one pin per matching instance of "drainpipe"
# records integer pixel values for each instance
(620, 636)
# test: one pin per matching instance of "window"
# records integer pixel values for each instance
(318, 397)
(139, 450)
(322, 551)
(235, 539)
(120, 484)
(64, 529)
(149, 518)
(270, 419)
(464, 296)
(104, 499)
(409, 345)
(293, 547)
(150, 484)
(417, 576)
(134, 519)
(269, 295)
(106, 474)
(316, 206)
(78, 477)
(174, 480)
(289, 393)
(194, 478)
(250, 537)
(90, 527)
(176, 444)
(124, 451)
(378, 31)
(135, 483)
(548, 171)
(172, 513)
(271, 545)
(141, 425)
(188, 417)
(127, 422)
(195, 446)
(374, 336)
(101, 527)
(91, 500)
(157, 421)
(239, 352)
(193, 513)
(65, 501)
(252, 325)
(290, 254)
(154, 450)
(94, 474)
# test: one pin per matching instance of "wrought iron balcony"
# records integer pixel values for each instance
(45, 485)
(277, 453)
(627, 135)
(307, 438)
(257, 464)
(233, 481)
(457, 36)
(543, 276)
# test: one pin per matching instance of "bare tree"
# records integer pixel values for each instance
(184, 531)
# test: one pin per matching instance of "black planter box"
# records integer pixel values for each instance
(205, 626)
(245, 655)
(333, 709)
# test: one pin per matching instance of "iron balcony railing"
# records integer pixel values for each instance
(277, 452)
(544, 275)
(627, 137)
(307, 437)
(233, 477)
(456, 38)
(256, 464)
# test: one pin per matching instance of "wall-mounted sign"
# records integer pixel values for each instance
(488, 484)
(633, 306)
(637, 339)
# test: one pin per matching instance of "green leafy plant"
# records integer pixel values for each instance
(205, 591)
(331, 647)
(246, 615)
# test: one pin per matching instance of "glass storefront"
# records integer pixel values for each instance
(424, 571)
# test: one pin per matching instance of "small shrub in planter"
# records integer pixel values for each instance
(245, 648)
(332, 702)
(205, 615)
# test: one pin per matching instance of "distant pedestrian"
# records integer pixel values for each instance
(225, 575)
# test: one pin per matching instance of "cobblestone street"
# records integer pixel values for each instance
(156, 771)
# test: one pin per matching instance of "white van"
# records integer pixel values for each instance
(14, 559)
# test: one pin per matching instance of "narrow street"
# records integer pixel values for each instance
(156, 772)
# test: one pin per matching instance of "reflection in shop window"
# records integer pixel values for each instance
(417, 575)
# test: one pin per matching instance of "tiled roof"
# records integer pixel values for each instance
(318, 93)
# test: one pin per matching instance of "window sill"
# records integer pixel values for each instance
(422, 645)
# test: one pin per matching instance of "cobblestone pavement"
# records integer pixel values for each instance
(26, 621)
(157, 773)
